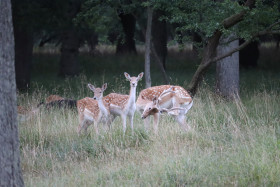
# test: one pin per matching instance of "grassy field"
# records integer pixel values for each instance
(232, 143)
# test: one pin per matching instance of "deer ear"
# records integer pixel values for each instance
(127, 76)
(104, 87)
(155, 100)
(91, 87)
(140, 76)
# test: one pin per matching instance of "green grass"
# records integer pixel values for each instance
(232, 143)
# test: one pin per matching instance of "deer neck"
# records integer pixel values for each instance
(102, 107)
(132, 97)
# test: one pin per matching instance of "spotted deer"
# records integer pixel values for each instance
(174, 100)
(93, 110)
(124, 105)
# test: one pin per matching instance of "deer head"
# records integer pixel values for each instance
(153, 107)
(133, 80)
(98, 92)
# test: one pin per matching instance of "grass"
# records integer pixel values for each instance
(232, 143)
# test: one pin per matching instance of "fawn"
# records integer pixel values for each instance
(94, 109)
(124, 105)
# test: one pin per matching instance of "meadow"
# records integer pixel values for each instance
(232, 143)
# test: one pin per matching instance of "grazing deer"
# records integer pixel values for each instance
(124, 105)
(174, 100)
(52, 98)
(52, 101)
(55, 101)
(94, 109)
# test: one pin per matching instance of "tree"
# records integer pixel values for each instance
(126, 43)
(227, 71)
(249, 55)
(159, 43)
(69, 63)
(159, 34)
(148, 47)
(25, 21)
(10, 172)
(217, 19)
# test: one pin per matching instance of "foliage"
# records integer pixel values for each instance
(99, 17)
(205, 17)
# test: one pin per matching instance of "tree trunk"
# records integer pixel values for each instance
(126, 44)
(23, 56)
(159, 35)
(249, 56)
(10, 172)
(69, 63)
(148, 48)
(227, 71)
(210, 48)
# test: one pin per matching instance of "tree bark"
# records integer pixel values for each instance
(227, 71)
(10, 171)
(148, 48)
(69, 63)
(126, 44)
(23, 56)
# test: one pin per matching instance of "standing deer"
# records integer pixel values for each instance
(174, 100)
(124, 105)
(94, 109)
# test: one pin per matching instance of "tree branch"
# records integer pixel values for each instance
(264, 32)
(212, 45)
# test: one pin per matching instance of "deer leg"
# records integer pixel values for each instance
(181, 119)
(156, 121)
(83, 125)
(79, 129)
(86, 125)
(147, 123)
(175, 105)
(110, 120)
(124, 123)
(131, 122)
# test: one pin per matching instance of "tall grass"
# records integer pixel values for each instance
(231, 143)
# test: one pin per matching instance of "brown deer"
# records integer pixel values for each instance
(174, 100)
(93, 110)
(124, 105)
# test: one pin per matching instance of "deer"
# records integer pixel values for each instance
(93, 110)
(52, 101)
(174, 100)
(56, 101)
(124, 105)
(52, 98)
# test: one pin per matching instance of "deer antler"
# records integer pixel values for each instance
(166, 92)
(169, 111)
